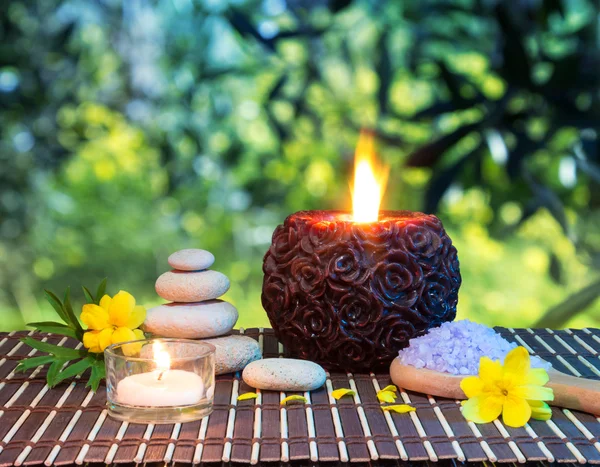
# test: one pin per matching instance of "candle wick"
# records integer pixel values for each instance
(160, 375)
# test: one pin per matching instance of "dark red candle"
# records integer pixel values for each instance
(350, 295)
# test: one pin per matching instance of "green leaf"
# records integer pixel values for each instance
(60, 352)
(53, 371)
(73, 370)
(56, 304)
(101, 290)
(98, 374)
(34, 362)
(70, 314)
(557, 316)
(429, 154)
(55, 328)
(88, 295)
(55, 324)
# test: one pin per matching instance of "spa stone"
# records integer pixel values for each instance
(191, 259)
(234, 353)
(184, 286)
(191, 320)
(284, 374)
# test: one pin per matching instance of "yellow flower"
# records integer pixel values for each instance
(115, 320)
(514, 390)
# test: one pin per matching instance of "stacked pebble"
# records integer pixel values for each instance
(195, 312)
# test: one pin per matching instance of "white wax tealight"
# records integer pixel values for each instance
(160, 389)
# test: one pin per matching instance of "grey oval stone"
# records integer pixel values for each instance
(191, 259)
(234, 353)
(284, 374)
(191, 320)
(182, 286)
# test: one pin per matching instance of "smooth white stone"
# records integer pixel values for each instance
(191, 320)
(191, 259)
(284, 374)
(182, 286)
(233, 353)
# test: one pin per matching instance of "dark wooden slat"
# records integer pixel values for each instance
(406, 429)
(327, 446)
(244, 427)
(353, 432)
(297, 430)
(270, 448)
(217, 422)
(382, 437)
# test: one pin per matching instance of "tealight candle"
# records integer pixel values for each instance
(166, 381)
(162, 387)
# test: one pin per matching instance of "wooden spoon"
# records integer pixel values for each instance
(570, 392)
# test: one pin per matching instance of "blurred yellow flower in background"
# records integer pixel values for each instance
(114, 320)
(514, 390)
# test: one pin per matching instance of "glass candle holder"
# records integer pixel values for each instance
(160, 380)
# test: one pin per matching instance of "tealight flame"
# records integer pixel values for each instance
(370, 179)
(161, 358)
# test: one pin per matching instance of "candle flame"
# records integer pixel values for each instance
(161, 357)
(370, 179)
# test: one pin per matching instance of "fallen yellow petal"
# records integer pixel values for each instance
(293, 399)
(390, 387)
(339, 393)
(246, 396)
(399, 408)
(386, 396)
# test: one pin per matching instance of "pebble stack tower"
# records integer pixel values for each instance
(195, 311)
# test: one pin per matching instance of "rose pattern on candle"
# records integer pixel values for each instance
(350, 295)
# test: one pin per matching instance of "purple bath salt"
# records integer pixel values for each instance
(456, 347)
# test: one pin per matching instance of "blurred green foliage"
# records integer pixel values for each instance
(132, 129)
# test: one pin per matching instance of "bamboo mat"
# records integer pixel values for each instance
(69, 424)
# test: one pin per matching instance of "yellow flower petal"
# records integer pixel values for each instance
(531, 392)
(137, 317)
(399, 408)
(516, 412)
(470, 410)
(105, 338)
(123, 334)
(90, 341)
(472, 386)
(120, 309)
(246, 396)
(134, 349)
(293, 399)
(390, 387)
(386, 396)
(339, 393)
(537, 376)
(482, 409)
(97, 341)
(516, 365)
(105, 302)
(489, 370)
(94, 317)
(491, 407)
(540, 410)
